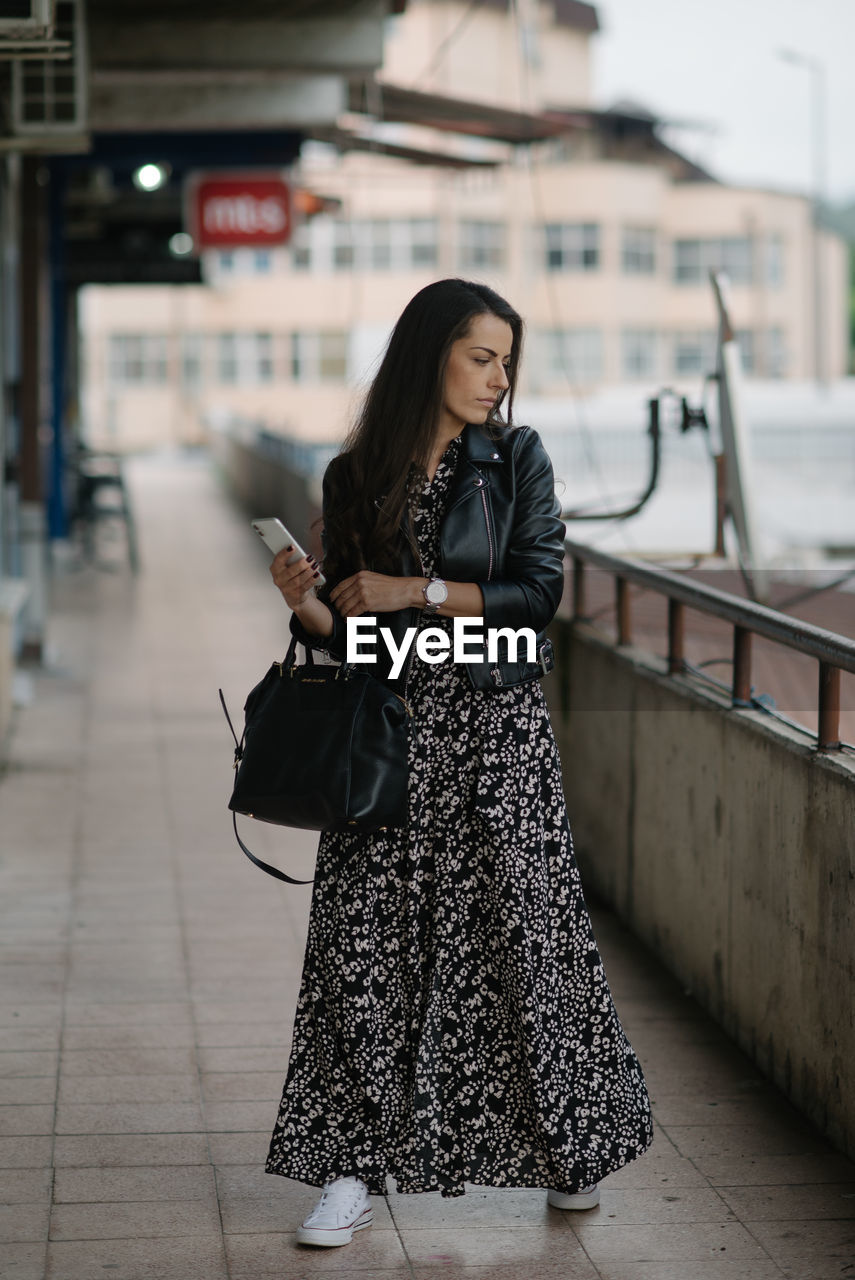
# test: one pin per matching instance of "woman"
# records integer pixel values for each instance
(454, 1023)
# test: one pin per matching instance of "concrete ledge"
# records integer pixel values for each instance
(267, 486)
(727, 843)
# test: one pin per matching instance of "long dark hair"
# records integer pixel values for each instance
(367, 485)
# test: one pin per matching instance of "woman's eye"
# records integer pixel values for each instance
(479, 360)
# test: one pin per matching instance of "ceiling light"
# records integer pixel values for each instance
(150, 177)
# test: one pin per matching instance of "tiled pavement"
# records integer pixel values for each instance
(149, 973)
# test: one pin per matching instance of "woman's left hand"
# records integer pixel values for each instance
(367, 592)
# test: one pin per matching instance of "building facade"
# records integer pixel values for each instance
(605, 248)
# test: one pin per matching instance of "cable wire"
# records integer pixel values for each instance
(447, 42)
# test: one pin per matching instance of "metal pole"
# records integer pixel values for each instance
(57, 505)
(676, 637)
(828, 729)
(624, 622)
(818, 149)
(720, 460)
(741, 667)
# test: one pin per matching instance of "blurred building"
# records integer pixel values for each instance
(479, 154)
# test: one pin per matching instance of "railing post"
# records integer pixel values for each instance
(741, 667)
(578, 587)
(828, 734)
(676, 637)
(624, 624)
(720, 502)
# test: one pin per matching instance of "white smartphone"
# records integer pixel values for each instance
(276, 537)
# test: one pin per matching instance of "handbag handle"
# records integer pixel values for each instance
(271, 871)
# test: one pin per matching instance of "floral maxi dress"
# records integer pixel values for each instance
(454, 1023)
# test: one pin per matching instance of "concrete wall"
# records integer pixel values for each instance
(266, 487)
(728, 845)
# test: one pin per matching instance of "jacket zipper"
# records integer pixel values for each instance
(482, 486)
(487, 526)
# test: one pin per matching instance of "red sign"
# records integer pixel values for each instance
(227, 210)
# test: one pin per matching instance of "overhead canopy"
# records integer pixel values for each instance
(257, 64)
(623, 132)
(452, 115)
(187, 84)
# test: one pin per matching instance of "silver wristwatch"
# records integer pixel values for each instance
(435, 594)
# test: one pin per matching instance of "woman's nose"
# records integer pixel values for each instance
(500, 378)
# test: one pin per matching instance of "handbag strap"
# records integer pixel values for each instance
(291, 655)
(271, 871)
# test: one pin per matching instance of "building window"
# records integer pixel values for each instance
(367, 244)
(571, 355)
(423, 242)
(694, 352)
(245, 358)
(319, 357)
(377, 235)
(385, 244)
(571, 246)
(192, 361)
(638, 251)
(774, 261)
(138, 359)
(227, 360)
(301, 247)
(745, 342)
(343, 247)
(695, 259)
(776, 352)
(241, 262)
(639, 353)
(260, 356)
(482, 245)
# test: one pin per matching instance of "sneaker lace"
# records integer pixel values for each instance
(341, 1194)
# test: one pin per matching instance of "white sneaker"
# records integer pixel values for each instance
(587, 1198)
(344, 1207)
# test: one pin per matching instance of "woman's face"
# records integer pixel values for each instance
(477, 372)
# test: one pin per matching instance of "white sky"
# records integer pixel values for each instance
(716, 62)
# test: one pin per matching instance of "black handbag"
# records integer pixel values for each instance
(323, 748)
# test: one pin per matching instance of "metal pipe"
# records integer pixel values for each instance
(676, 637)
(624, 621)
(741, 667)
(720, 502)
(828, 731)
(623, 513)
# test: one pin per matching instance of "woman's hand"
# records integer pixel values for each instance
(367, 592)
(295, 581)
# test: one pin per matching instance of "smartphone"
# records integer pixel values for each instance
(276, 537)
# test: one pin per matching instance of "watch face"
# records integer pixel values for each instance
(436, 592)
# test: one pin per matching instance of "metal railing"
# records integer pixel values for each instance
(834, 653)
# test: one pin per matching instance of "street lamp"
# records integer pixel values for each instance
(817, 74)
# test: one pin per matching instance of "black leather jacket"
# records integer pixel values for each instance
(500, 529)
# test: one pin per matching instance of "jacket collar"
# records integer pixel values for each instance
(478, 448)
(477, 445)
